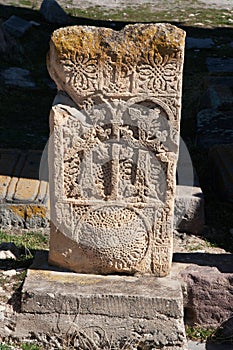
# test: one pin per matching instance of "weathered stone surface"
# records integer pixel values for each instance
(113, 149)
(199, 43)
(214, 127)
(209, 295)
(221, 164)
(8, 250)
(144, 310)
(19, 178)
(20, 77)
(218, 97)
(23, 196)
(53, 12)
(10, 46)
(17, 26)
(24, 216)
(219, 65)
(218, 80)
(189, 209)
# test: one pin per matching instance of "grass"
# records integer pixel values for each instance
(199, 334)
(146, 13)
(24, 346)
(27, 243)
(26, 240)
(28, 346)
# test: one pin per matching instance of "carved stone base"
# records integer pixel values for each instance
(116, 310)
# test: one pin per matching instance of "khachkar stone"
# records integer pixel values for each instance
(113, 147)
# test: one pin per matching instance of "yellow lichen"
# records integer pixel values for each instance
(100, 42)
(19, 210)
(36, 210)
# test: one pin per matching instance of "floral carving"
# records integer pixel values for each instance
(82, 72)
(158, 73)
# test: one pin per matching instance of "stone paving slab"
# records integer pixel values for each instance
(17, 26)
(17, 77)
(19, 177)
(221, 162)
(214, 127)
(136, 308)
(24, 198)
(219, 65)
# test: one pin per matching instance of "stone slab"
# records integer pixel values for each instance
(221, 163)
(53, 12)
(19, 178)
(8, 160)
(28, 186)
(218, 80)
(198, 43)
(219, 65)
(23, 196)
(189, 213)
(17, 26)
(218, 97)
(123, 306)
(18, 77)
(193, 345)
(24, 216)
(209, 296)
(214, 127)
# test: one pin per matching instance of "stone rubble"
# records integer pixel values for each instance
(8, 250)
(53, 12)
(17, 77)
(17, 26)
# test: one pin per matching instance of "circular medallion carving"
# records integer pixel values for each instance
(114, 237)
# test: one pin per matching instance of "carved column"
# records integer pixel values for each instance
(114, 146)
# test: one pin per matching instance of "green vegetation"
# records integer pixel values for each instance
(28, 346)
(198, 333)
(24, 346)
(28, 243)
(26, 240)
(146, 13)
(5, 347)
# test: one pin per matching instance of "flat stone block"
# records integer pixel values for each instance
(199, 43)
(8, 160)
(189, 209)
(18, 77)
(214, 127)
(24, 216)
(218, 65)
(210, 299)
(53, 12)
(218, 96)
(17, 26)
(221, 163)
(145, 308)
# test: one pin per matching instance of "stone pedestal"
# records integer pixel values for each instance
(114, 146)
(115, 310)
